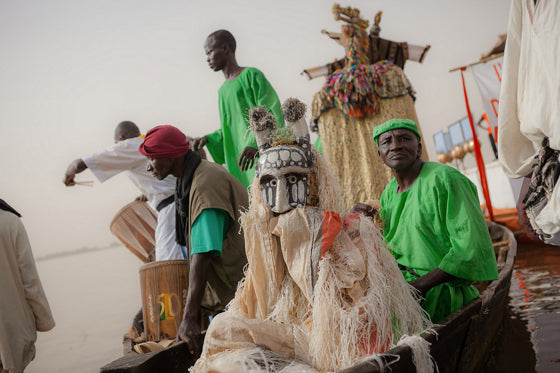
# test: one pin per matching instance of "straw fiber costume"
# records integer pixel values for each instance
(321, 292)
(365, 91)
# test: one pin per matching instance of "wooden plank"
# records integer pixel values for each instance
(174, 359)
(446, 346)
(399, 357)
(485, 327)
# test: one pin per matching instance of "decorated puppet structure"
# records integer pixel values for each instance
(363, 90)
(321, 291)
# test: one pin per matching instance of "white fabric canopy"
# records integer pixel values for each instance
(530, 94)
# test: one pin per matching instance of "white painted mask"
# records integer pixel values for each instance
(286, 160)
(284, 178)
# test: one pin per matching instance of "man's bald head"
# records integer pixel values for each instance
(126, 130)
(224, 37)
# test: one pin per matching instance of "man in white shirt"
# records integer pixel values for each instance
(125, 156)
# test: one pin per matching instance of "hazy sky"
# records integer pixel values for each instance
(71, 70)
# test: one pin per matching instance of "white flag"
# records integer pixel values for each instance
(488, 76)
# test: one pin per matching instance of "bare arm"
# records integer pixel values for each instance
(75, 167)
(189, 331)
(433, 278)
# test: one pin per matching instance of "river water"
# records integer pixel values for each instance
(530, 341)
(94, 296)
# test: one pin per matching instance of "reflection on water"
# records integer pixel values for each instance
(531, 335)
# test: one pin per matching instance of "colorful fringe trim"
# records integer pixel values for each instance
(352, 89)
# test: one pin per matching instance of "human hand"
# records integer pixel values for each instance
(190, 333)
(247, 158)
(75, 167)
(199, 143)
(420, 287)
(69, 179)
(525, 224)
(364, 209)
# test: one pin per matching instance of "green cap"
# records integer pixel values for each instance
(394, 124)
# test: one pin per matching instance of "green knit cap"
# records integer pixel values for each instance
(394, 124)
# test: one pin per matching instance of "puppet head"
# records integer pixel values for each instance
(354, 35)
(286, 167)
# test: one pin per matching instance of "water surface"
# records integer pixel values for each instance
(531, 334)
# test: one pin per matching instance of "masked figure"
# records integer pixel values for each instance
(320, 291)
(361, 91)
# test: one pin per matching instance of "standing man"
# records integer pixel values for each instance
(433, 223)
(24, 308)
(208, 200)
(124, 156)
(245, 88)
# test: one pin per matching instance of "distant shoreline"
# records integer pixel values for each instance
(81, 250)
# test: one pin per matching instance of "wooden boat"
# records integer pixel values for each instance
(463, 342)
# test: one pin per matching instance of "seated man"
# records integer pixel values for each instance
(321, 291)
(208, 201)
(433, 223)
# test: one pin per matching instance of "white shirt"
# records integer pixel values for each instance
(125, 156)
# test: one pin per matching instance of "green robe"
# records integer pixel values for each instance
(236, 97)
(438, 223)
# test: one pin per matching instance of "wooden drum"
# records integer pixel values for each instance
(135, 226)
(164, 285)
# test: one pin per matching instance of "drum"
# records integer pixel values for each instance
(135, 226)
(164, 285)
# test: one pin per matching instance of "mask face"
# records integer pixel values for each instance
(284, 178)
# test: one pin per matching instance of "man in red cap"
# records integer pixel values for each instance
(208, 201)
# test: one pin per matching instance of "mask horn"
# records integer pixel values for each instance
(262, 123)
(294, 115)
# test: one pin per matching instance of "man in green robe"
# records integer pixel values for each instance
(245, 88)
(433, 223)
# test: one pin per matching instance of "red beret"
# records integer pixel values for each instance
(164, 142)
